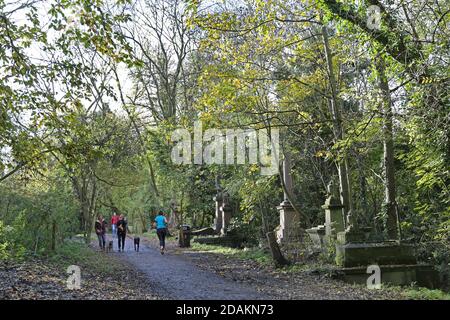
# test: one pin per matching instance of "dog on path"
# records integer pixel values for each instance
(110, 246)
(137, 240)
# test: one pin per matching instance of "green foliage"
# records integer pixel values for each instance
(328, 256)
(9, 247)
(436, 253)
(426, 294)
(41, 214)
(253, 253)
(78, 253)
(75, 142)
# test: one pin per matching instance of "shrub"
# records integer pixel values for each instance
(9, 248)
(438, 254)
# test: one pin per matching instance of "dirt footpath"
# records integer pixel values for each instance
(188, 274)
(173, 276)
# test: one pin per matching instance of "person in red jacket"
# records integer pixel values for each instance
(114, 220)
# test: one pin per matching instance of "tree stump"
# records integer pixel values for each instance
(277, 256)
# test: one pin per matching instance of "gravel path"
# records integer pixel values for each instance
(186, 274)
(174, 277)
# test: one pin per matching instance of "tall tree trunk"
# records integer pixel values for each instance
(343, 171)
(362, 185)
(388, 146)
(139, 134)
(202, 221)
(53, 243)
(87, 220)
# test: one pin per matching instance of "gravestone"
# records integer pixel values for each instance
(218, 214)
(334, 219)
(356, 251)
(225, 210)
(218, 200)
(289, 228)
(317, 236)
(334, 214)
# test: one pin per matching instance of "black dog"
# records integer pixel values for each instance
(110, 247)
(137, 240)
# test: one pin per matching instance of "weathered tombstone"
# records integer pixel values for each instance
(352, 233)
(355, 252)
(218, 215)
(226, 212)
(317, 236)
(334, 214)
(218, 200)
(334, 219)
(289, 228)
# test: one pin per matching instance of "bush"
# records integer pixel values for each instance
(427, 294)
(248, 232)
(328, 256)
(9, 248)
(438, 254)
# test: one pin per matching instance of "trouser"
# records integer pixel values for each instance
(101, 240)
(162, 236)
(114, 230)
(121, 236)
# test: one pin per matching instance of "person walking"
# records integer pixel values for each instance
(100, 230)
(114, 220)
(121, 232)
(161, 230)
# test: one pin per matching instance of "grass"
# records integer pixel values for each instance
(254, 254)
(261, 256)
(426, 294)
(309, 267)
(76, 253)
(150, 235)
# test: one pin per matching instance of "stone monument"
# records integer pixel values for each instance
(225, 210)
(334, 219)
(218, 200)
(396, 260)
(289, 228)
(334, 214)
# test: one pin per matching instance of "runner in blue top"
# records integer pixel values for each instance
(161, 230)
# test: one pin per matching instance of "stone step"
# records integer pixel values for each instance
(423, 275)
(379, 253)
(226, 241)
